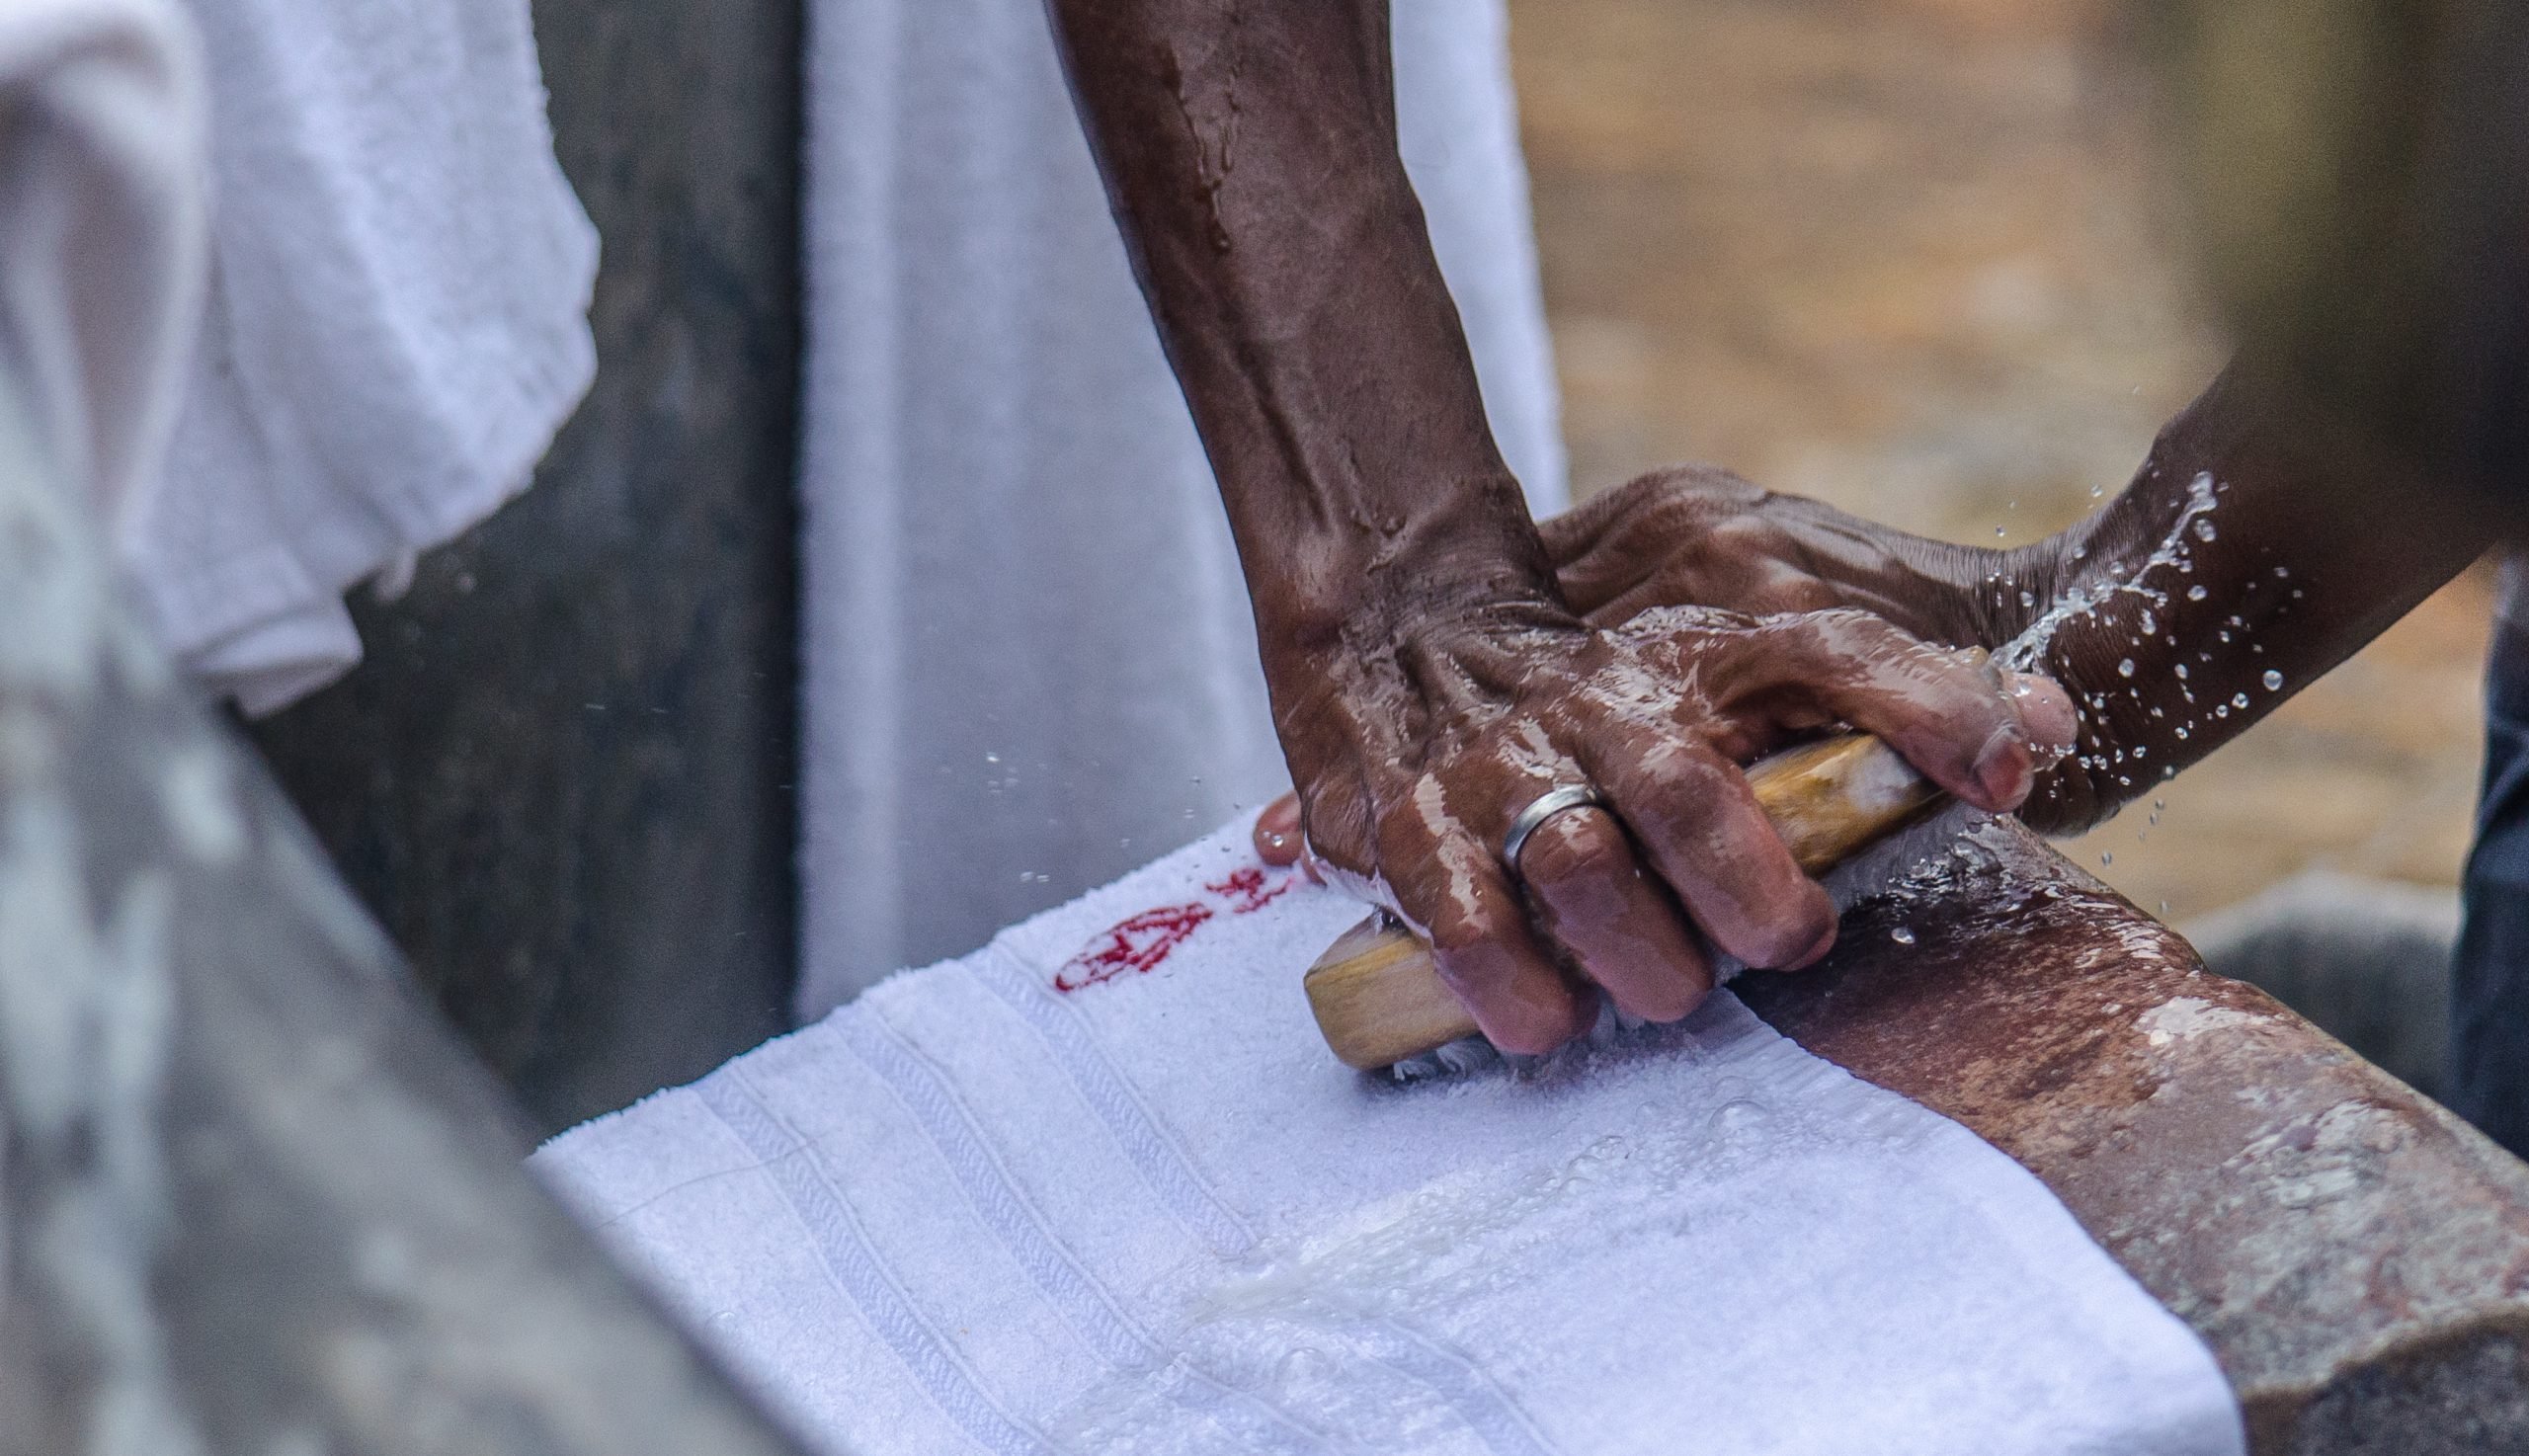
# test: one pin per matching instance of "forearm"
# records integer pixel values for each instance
(1249, 153)
(2250, 554)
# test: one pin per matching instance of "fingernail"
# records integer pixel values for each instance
(1814, 953)
(2003, 767)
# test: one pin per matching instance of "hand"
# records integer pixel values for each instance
(1414, 757)
(1700, 536)
(1428, 679)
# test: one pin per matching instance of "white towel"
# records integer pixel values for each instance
(101, 250)
(1029, 659)
(1099, 1187)
(397, 322)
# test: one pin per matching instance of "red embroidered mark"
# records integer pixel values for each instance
(1132, 946)
(1251, 889)
(1140, 943)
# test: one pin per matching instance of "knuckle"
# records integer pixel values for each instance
(1654, 489)
(1465, 932)
(1337, 830)
(1740, 537)
(1838, 633)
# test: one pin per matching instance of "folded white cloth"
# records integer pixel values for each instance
(397, 322)
(1029, 659)
(1099, 1187)
(101, 219)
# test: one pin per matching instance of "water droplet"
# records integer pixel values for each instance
(2283, 573)
(2027, 599)
(1739, 1119)
(1901, 936)
(2272, 679)
(992, 757)
(2204, 530)
(1997, 531)
(1303, 1366)
(2125, 669)
(2151, 624)
(2239, 699)
(2197, 593)
(2181, 672)
(2098, 491)
(2181, 732)
(2105, 858)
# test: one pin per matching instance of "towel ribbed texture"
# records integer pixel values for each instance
(1099, 1187)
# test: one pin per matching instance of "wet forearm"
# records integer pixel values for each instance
(1249, 153)
(2249, 555)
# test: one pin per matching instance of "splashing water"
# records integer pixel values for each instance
(2021, 653)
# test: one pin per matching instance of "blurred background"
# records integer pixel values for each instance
(1909, 257)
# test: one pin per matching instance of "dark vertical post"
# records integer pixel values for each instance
(562, 777)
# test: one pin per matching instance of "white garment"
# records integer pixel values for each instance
(1100, 1188)
(397, 322)
(1029, 659)
(100, 248)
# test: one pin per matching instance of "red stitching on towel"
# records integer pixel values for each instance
(1134, 945)
(1141, 943)
(1250, 889)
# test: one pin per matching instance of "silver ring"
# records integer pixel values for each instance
(1540, 809)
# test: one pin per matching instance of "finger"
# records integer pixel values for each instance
(1335, 826)
(1618, 925)
(1278, 831)
(1694, 815)
(2045, 712)
(1447, 882)
(1569, 535)
(1952, 719)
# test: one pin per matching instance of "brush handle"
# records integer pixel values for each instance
(1379, 998)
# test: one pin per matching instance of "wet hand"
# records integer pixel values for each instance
(1418, 748)
(1700, 536)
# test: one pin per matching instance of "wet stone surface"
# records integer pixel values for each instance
(2356, 1258)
